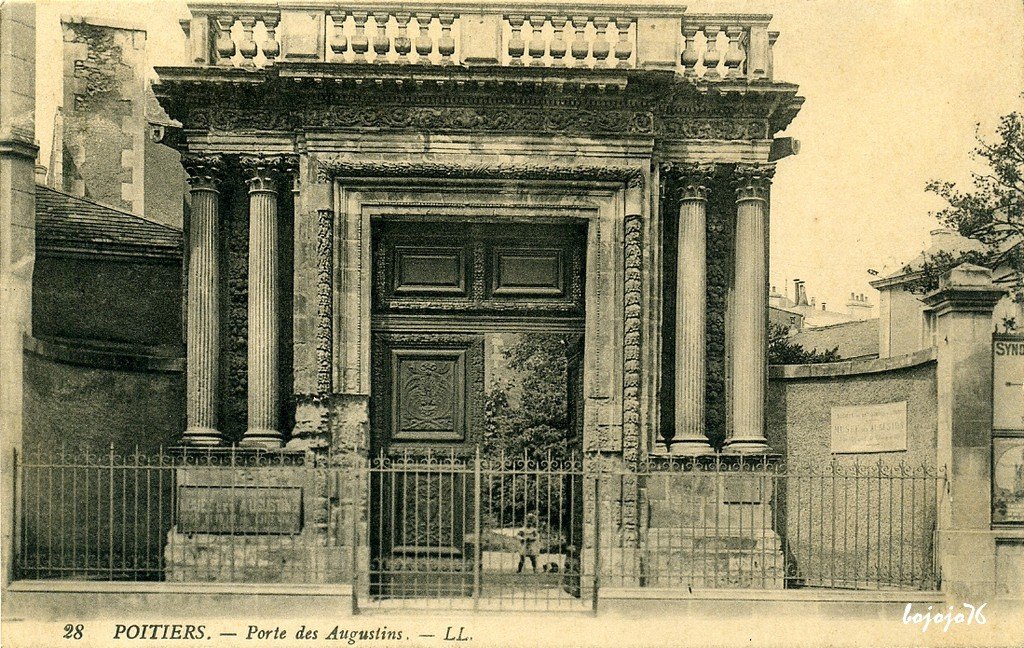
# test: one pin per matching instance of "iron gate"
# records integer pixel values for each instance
(474, 532)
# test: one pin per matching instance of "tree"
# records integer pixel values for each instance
(782, 350)
(990, 211)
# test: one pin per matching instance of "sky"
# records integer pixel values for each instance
(894, 90)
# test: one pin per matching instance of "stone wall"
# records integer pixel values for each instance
(104, 112)
(838, 505)
(17, 235)
(135, 301)
(69, 402)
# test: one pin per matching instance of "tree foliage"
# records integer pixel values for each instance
(991, 211)
(539, 422)
(782, 350)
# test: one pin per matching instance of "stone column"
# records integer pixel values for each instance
(691, 313)
(203, 308)
(965, 543)
(750, 310)
(264, 389)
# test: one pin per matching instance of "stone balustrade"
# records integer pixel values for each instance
(703, 47)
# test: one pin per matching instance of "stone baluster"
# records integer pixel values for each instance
(558, 46)
(750, 310)
(538, 46)
(689, 57)
(264, 389)
(224, 43)
(516, 44)
(339, 42)
(403, 44)
(624, 46)
(694, 182)
(203, 308)
(271, 48)
(711, 54)
(359, 42)
(602, 48)
(446, 43)
(424, 44)
(580, 47)
(381, 42)
(247, 47)
(734, 54)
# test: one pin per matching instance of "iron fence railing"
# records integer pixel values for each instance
(465, 530)
(730, 522)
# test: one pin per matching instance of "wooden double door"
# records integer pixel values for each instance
(477, 334)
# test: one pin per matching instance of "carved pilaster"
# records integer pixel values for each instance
(203, 301)
(750, 316)
(325, 301)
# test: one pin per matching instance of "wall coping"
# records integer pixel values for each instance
(121, 358)
(851, 367)
(811, 595)
(163, 587)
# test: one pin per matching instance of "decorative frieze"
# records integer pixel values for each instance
(331, 166)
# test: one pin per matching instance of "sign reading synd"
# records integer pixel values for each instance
(869, 428)
(1008, 384)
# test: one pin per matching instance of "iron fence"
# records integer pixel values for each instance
(733, 522)
(471, 531)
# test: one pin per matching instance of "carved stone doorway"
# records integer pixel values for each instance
(477, 335)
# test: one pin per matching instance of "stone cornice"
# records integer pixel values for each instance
(503, 100)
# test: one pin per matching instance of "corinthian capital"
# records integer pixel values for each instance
(692, 181)
(752, 181)
(262, 172)
(205, 171)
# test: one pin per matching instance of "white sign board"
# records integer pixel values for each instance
(1008, 384)
(869, 428)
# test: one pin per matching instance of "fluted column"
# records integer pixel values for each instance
(750, 312)
(264, 390)
(691, 313)
(203, 308)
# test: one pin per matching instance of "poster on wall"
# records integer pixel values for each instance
(869, 428)
(1008, 383)
(1008, 480)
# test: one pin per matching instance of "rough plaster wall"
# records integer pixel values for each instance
(94, 407)
(104, 113)
(883, 528)
(165, 184)
(81, 411)
(134, 302)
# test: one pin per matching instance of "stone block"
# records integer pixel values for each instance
(657, 42)
(481, 38)
(301, 35)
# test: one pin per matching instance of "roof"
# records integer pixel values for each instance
(70, 224)
(942, 240)
(856, 339)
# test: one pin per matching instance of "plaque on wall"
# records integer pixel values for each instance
(254, 510)
(1008, 383)
(1008, 480)
(869, 428)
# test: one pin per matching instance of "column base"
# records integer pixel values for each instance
(202, 436)
(690, 446)
(746, 446)
(262, 437)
